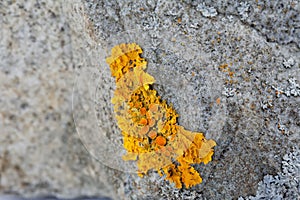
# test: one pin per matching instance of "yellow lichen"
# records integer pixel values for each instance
(149, 127)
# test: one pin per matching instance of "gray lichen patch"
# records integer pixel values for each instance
(284, 185)
(276, 20)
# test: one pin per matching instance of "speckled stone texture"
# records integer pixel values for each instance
(230, 68)
(40, 153)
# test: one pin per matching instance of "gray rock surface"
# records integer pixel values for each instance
(40, 153)
(45, 45)
(284, 185)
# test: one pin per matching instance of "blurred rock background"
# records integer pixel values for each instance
(238, 82)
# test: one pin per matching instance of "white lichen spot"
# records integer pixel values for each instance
(293, 89)
(229, 91)
(288, 63)
(265, 104)
(278, 90)
(230, 18)
(207, 11)
(243, 10)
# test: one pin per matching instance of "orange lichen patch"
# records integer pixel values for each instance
(160, 140)
(144, 130)
(151, 122)
(218, 101)
(153, 107)
(125, 88)
(124, 57)
(133, 144)
(143, 111)
(190, 176)
(149, 127)
(208, 157)
(152, 135)
(143, 121)
(173, 175)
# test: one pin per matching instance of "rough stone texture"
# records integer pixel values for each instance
(40, 153)
(285, 184)
(278, 21)
(43, 44)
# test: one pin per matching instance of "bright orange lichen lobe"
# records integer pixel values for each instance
(149, 126)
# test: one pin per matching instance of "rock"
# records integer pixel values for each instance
(46, 47)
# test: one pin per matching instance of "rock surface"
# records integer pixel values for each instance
(231, 70)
